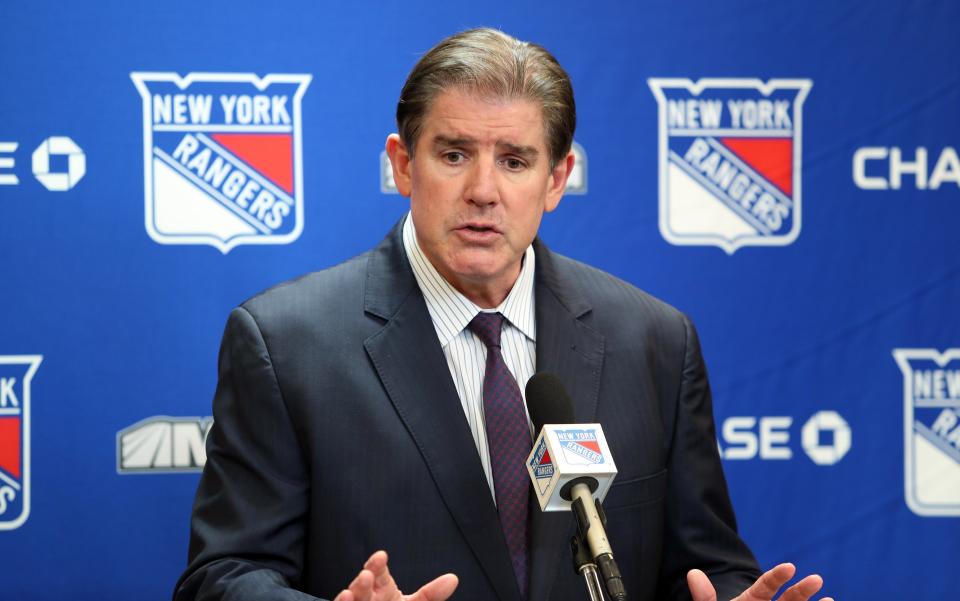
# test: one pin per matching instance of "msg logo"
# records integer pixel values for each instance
(163, 444)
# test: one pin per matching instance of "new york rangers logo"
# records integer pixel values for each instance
(222, 157)
(580, 446)
(730, 160)
(931, 430)
(541, 466)
(16, 372)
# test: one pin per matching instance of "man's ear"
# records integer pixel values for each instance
(400, 161)
(558, 181)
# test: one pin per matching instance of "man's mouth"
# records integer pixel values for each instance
(477, 233)
(478, 227)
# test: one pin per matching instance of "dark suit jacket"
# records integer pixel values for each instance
(338, 432)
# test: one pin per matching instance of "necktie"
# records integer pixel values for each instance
(508, 437)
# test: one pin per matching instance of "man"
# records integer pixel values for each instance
(376, 405)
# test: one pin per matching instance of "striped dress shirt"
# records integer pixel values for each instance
(466, 354)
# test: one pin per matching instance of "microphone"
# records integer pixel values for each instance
(548, 401)
(565, 453)
(572, 469)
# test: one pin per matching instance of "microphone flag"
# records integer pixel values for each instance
(566, 452)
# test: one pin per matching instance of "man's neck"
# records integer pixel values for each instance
(485, 294)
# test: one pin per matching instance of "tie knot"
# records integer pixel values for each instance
(487, 327)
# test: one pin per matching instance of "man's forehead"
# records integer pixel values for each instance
(463, 117)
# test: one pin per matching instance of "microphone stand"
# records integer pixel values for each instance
(583, 564)
(607, 566)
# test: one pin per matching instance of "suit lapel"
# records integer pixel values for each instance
(414, 372)
(574, 353)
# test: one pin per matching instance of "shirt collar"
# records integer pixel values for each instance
(451, 311)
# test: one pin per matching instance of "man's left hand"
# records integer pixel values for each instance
(374, 583)
(763, 589)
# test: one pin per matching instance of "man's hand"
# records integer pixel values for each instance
(374, 583)
(763, 589)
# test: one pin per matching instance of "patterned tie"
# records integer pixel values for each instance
(508, 437)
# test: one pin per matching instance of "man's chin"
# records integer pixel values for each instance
(492, 284)
(480, 267)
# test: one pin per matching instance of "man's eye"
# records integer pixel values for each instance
(453, 157)
(514, 164)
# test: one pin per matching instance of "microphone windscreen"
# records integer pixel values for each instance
(548, 401)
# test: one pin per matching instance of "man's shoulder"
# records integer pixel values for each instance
(603, 290)
(313, 294)
(614, 305)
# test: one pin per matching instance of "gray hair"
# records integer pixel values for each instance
(494, 64)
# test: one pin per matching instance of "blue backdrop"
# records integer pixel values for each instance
(785, 173)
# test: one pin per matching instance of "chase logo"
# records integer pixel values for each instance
(16, 373)
(580, 446)
(931, 410)
(222, 157)
(163, 444)
(60, 148)
(730, 160)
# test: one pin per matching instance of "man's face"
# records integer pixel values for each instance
(479, 183)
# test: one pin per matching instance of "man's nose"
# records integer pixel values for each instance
(482, 187)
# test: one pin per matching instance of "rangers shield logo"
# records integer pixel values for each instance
(222, 157)
(730, 161)
(580, 447)
(16, 372)
(931, 413)
(541, 467)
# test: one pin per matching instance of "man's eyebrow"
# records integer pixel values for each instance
(442, 140)
(527, 152)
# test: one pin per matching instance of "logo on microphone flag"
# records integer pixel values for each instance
(222, 157)
(16, 374)
(580, 447)
(541, 468)
(931, 430)
(730, 160)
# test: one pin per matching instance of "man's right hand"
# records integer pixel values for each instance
(374, 583)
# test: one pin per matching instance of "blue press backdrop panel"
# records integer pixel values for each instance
(129, 328)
